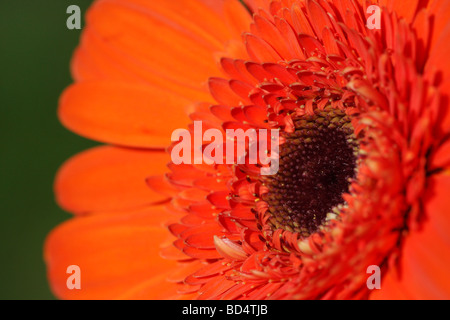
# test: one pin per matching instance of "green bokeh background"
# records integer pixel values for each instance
(35, 51)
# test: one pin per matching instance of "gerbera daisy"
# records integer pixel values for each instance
(363, 178)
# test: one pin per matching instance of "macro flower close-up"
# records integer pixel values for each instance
(356, 93)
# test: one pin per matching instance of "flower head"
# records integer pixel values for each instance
(363, 153)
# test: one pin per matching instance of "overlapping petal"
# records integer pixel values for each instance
(116, 254)
(109, 178)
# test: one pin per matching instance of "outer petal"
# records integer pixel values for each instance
(117, 254)
(124, 114)
(153, 39)
(255, 5)
(423, 266)
(109, 178)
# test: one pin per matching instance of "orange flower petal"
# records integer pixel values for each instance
(439, 51)
(95, 60)
(119, 40)
(441, 157)
(161, 185)
(423, 266)
(237, 16)
(255, 5)
(109, 178)
(156, 288)
(404, 9)
(440, 11)
(116, 254)
(123, 114)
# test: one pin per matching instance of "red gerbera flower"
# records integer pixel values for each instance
(364, 157)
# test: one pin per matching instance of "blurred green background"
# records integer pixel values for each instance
(36, 48)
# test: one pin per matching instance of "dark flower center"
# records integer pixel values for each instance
(317, 162)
